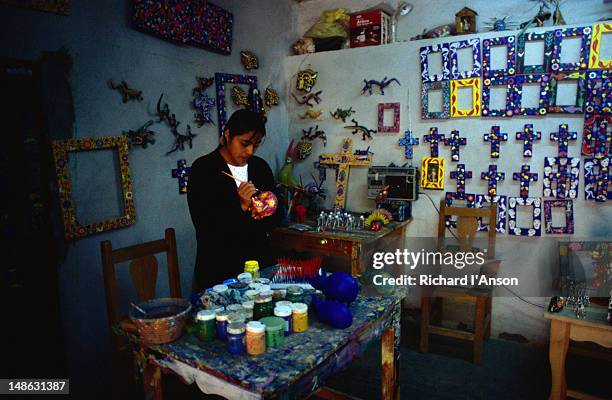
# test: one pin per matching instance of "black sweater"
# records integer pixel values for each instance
(226, 235)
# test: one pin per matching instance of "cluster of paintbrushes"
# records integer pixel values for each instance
(296, 271)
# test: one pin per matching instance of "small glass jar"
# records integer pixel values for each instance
(205, 325)
(275, 327)
(237, 316)
(251, 293)
(221, 326)
(263, 307)
(295, 294)
(284, 303)
(299, 317)
(265, 288)
(220, 289)
(252, 267)
(235, 337)
(255, 338)
(245, 277)
(255, 286)
(263, 281)
(284, 312)
(234, 308)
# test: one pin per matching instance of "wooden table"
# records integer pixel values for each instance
(350, 252)
(294, 370)
(565, 326)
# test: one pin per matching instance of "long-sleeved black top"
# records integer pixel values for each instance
(226, 236)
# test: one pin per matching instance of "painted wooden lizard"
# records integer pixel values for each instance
(342, 114)
(312, 114)
(127, 93)
(369, 84)
(365, 132)
(307, 98)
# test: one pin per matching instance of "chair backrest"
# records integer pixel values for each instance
(467, 225)
(143, 269)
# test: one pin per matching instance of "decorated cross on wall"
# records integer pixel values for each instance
(455, 142)
(434, 139)
(460, 175)
(181, 172)
(408, 141)
(344, 160)
(492, 177)
(528, 136)
(495, 137)
(563, 138)
(525, 177)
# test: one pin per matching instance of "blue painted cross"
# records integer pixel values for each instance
(460, 175)
(455, 142)
(495, 137)
(563, 137)
(408, 141)
(492, 177)
(434, 138)
(182, 173)
(525, 177)
(528, 136)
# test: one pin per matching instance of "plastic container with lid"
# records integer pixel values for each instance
(284, 303)
(237, 316)
(248, 305)
(263, 307)
(234, 308)
(251, 293)
(275, 327)
(263, 281)
(235, 337)
(221, 326)
(295, 294)
(205, 325)
(284, 312)
(220, 288)
(255, 338)
(252, 267)
(245, 277)
(265, 288)
(255, 286)
(299, 317)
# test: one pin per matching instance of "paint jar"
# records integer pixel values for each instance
(284, 303)
(221, 326)
(255, 338)
(265, 288)
(205, 325)
(238, 316)
(234, 308)
(252, 267)
(216, 308)
(295, 294)
(241, 287)
(275, 327)
(299, 317)
(263, 307)
(263, 281)
(245, 277)
(235, 337)
(251, 293)
(284, 312)
(220, 289)
(255, 286)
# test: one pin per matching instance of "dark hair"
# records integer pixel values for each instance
(243, 121)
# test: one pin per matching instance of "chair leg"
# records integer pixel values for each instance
(424, 344)
(479, 329)
(489, 313)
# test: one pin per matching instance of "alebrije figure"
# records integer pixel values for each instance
(310, 135)
(203, 84)
(365, 132)
(342, 114)
(127, 93)
(140, 137)
(306, 79)
(240, 97)
(180, 140)
(285, 176)
(307, 98)
(271, 97)
(312, 114)
(368, 85)
(249, 60)
(203, 105)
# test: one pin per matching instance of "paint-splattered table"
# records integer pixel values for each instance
(292, 371)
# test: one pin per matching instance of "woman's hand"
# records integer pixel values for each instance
(246, 190)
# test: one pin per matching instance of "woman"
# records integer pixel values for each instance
(226, 234)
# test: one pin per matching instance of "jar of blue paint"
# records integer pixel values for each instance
(221, 326)
(235, 337)
(284, 312)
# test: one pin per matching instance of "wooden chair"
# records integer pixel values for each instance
(481, 298)
(143, 270)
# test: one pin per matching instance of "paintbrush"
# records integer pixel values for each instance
(239, 180)
(139, 309)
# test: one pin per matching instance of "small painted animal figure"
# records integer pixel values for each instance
(127, 93)
(310, 135)
(342, 114)
(203, 84)
(271, 97)
(312, 114)
(140, 137)
(180, 140)
(249, 60)
(285, 175)
(365, 132)
(164, 113)
(203, 105)
(369, 84)
(239, 97)
(307, 98)
(306, 79)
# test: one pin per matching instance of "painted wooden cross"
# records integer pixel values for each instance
(563, 138)
(344, 160)
(492, 177)
(528, 136)
(181, 172)
(408, 141)
(495, 137)
(434, 138)
(460, 175)
(525, 177)
(455, 142)
(561, 176)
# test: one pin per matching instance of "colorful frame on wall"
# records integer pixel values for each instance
(432, 173)
(61, 7)
(487, 83)
(564, 172)
(212, 27)
(520, 80)
(61, 148)
(220, 81)
(598, 93)
(568, 206)
(536, 227)
(547, 39)
(559, 34)
(454, 47)
(395, 128)
(596, 139)
(502, 211)
(444, 87)
(595, 62)
(474, 111)
(578, 106)
(510, 43)
(597, 178)
(425, 52)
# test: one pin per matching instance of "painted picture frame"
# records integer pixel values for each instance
(424, 53)
(578, 106)
(598, 99)
(502, 212)
(597, 178)
(432, 173)
(395, 107)
(564, 172)
(536, 228)
(454, 47)
(487, 84)
(444, 87)
(558, 35)
(61, 7)
(547, 39)
(520, 80)
(474, 84)
(596, 136)
(61, 149)
(568, 206)
(221, 80)
(595, 60)
(487, 44)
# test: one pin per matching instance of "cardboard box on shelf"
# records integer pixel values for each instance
(369, 28)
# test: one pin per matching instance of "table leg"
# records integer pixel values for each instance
(390, 344)
(151, 380)
(559, 341)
